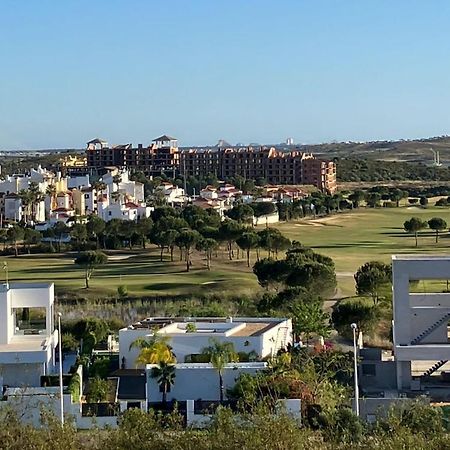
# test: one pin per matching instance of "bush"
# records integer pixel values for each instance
(74, 387)
(122, 291)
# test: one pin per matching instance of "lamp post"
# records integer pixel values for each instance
(5, 268)
(61, 398)
(355, 361)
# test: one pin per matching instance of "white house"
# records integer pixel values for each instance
(173, 195)
(27, 335)
(13, 207)
(261, 336)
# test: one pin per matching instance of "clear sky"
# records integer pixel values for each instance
(242, 70)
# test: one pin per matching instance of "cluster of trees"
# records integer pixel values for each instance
(296, 286)
(373, 279)
(416, 224)
(357, 169)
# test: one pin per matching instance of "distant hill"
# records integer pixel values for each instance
(403, 150)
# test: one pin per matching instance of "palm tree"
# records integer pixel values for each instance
(25, 198)
(51, 192)
(165, 377)
(36, 196)
(154, 350)
(220, 354)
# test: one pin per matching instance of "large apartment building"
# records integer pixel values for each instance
(161, 156)
(275, 166)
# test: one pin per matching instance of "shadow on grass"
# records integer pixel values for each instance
(167, 286)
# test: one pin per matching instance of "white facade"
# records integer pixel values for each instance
(263, 336)
(27, 351)
(13, 207)
(199, 380)
(421, 320)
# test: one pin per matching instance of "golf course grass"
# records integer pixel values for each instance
(350, 238)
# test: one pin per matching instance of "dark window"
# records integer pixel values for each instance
(369, 370)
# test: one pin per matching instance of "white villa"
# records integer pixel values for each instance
(261, 336)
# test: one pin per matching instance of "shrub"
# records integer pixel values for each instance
(74, 387)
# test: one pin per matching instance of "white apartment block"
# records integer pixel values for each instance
(27, 336)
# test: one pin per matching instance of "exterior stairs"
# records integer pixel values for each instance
(280, 341)
(435, 367)
(430, 329)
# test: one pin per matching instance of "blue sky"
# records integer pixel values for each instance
(242, 70)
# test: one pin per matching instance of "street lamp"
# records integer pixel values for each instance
(61, 398)
(355, 361)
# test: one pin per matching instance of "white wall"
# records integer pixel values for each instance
(199, 381)
(184, 344)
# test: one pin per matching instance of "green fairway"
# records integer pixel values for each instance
(142, 273)
(356, 237)
(350, 238)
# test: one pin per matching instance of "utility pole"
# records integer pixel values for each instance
(355, 363)
(61, 397)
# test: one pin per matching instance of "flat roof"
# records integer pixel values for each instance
(31, 343)
(409, 257)
(253, 326)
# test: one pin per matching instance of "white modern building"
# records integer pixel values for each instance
(27, 335)
(262, 337)
(421, 320)
(200, 380)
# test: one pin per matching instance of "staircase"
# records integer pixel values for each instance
(280, 341)
(430, 329)
(435, 367)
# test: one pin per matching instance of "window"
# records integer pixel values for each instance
(29, 320)
(369, 370)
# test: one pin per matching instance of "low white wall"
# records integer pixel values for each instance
(290, 406)
(266, 220)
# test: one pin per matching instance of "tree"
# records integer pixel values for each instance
(240, 213)
(229, 231)
(396, 195)
(60, 229)
(154, 350)
(309, 318)
(98, 390)
(270, 239)
(414, 225)
(263, 208)
(79, 233)
(95, 227)
(423, 201)
(346, 313)
(186, 239)
(90, 261)
(208, 245)
(356, 198)
(165, 377)
(371, 277)
(143, 229)
(31, 237)
(248, 241)
(437, 224)
(373, 199)
(15, 234)
(220, 354)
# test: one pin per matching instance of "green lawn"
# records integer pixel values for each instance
(354, 238)
(351, 239)
(142, 273)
